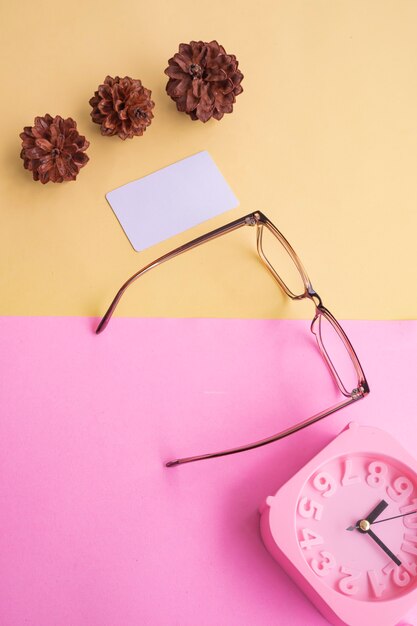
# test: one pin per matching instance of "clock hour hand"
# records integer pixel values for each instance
(376, 512)
(386, 519)
(364, 526)
(383, 546)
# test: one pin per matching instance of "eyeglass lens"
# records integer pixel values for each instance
(333, 346)
(281, 262)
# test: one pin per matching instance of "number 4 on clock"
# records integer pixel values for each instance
(310, 539)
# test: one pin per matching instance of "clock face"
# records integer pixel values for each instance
(360, 563)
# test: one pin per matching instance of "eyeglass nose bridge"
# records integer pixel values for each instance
(314, 296)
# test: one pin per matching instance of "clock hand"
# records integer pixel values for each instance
(386, 519)
(383, 546)
(376, 512)
(395, 517)
(364, 526)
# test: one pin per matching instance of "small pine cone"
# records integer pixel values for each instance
(203, 80)
(122, 106)
(53, 150)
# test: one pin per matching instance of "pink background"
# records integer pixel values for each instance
(95, 531)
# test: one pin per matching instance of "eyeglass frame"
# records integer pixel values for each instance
(259, 219)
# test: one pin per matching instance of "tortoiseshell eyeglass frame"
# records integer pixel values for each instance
(260, 221)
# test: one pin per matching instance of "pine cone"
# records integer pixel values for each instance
(53, 150)
(122, 106)
(203, 80)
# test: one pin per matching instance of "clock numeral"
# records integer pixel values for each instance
(411, 568)
(409, 544)
(348, 584)
(410, 521)
(400, 575)
(310, 508)
(348, 477)
(378, 586)
(323, 566)
(403, 487)
(324, 482)
(377, 476)
(310, 539)
(407, 508)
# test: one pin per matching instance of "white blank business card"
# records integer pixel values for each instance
(171, 200)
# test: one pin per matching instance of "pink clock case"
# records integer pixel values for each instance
(278, 531)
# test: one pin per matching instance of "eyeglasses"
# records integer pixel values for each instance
(278, 256)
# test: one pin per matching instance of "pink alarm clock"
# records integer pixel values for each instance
(345, 528)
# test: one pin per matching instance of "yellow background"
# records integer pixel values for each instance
(323, 140)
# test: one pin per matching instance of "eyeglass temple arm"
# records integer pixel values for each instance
(264, 442)
(248, 220)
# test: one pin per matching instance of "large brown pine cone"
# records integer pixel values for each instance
(53, 150)
(122, 106)
(203, 80)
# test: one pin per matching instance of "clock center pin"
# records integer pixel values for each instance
(364, 525)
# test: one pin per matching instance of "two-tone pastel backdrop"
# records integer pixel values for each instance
(324, 141)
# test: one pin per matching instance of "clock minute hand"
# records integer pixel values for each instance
(383, 546)
(364, 526)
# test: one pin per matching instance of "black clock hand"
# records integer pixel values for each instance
(383, 546)
(387, 519)
(364, 526)
(376, 512)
